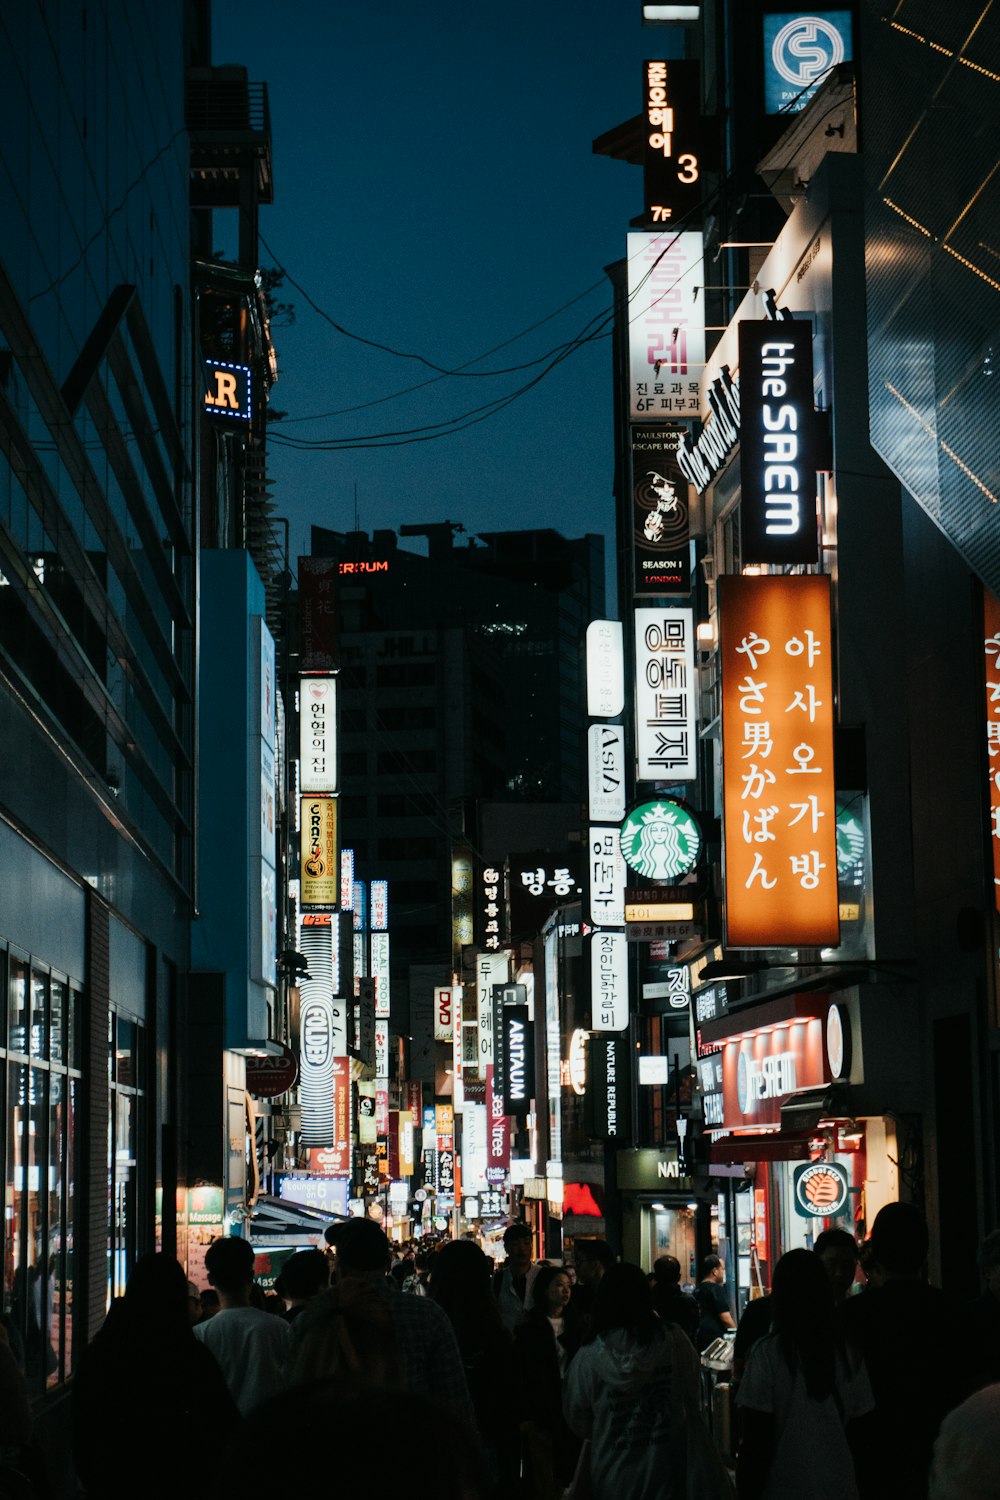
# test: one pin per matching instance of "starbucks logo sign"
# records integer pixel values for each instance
(660, 840)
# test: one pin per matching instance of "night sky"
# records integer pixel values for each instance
(435, 191)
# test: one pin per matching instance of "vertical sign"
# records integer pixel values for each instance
(491, 901)
(319, 863)
(318, 734)
(661, 547)
(609, 1087)
(780, 836)
(379, 913)
(366, 1021)
(340, 1166)
(605, 669)
(491, 969)
(778, 454)
(379, 969)
(991, 630)
(671, 144)
(609, 981)
(666, 324)
(498, 1150)
(607, 878)
(606, 772)
(443, 1014)
(317, 614)
(316, 1034)
(519, 1061)
(666, 741)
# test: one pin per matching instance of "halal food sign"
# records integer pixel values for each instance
(660, 840)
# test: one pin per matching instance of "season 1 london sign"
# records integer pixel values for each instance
(661, 548)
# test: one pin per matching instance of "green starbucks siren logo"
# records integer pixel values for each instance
(660, 840)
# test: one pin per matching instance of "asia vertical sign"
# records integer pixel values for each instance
(666, 333)
(780, 836)
(665, 738)
(778, 447)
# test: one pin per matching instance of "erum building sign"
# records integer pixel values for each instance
(671, 141)
(666, 741)
(228, 391)
(661, 548)
(777, 444)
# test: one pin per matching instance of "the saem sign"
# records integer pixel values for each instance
(777, 443)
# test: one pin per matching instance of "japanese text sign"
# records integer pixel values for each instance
(666, 744)
(780, 831)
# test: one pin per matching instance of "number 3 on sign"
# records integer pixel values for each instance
(689, 168)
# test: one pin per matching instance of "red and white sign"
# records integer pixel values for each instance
(444, 1014)
(335, 1160)
(498, 1149)
(762, 1068)
(268, 1077)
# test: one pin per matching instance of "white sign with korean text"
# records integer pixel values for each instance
(665, 695)
(605, 669)
(491, 969)
(606, 772)
(608, 981)
(318, 734)
(607, 878)
(666, 333)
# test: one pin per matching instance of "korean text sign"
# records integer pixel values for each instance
(666, 743)
(666, 333)
(777, 748)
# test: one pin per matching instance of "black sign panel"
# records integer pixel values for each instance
(671, 142)
(777, 443)
(227, 391)
(518, 1048)
(660, 538)
(609, 1063)
(538, 882)
(503, 995)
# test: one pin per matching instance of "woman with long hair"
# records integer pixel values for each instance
(802, 1395)
(633, 1393)
(545, 1343)
(459, 1282)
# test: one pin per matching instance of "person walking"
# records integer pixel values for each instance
(633, 1395)
(914, 1346)
(670, 1303)
(302, 1277)
(510, 1281)
(250, 1345)
(710, 1294)
(459, 1283)
(545, 1342)
(802, 1394)
(591, 1259)
(147, 1391)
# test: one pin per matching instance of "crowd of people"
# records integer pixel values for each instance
(532, 1379)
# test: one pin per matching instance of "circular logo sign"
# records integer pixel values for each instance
(805, 49)
(836, 1042)
(269, 1077)
(820, 1189)
(660, 840)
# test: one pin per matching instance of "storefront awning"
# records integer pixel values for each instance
(779, 1145)
(276, 1218)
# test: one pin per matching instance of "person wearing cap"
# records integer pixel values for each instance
(428, 1355)
(912, 1342)
(510, 1281)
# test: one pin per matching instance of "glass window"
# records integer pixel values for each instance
(55, 1258)
(36, 1284)
(17, 991)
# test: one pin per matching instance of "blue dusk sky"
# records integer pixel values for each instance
(436, 192)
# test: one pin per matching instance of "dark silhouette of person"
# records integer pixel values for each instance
(710, 1294)
(838, 1254)
(510, 1280)
(802, 1396)
(250, 1344)
(913, 1344)
(146, 1391)
(459, 1282)
(671, 1304)
(983, 1320)
(591, 1259)
(303, 1276)
(544, 1345)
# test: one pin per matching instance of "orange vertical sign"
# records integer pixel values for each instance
(777, 753)
(991, 631)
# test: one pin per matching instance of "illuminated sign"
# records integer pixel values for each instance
(608, 981)
(491, 969)
(991, 630)
(576, 1063)
(675, 989)
(492, 902)
(762, 1067)
(654, 1071)
(779, 804)
(318, 734)
(379, 971)
(381, 566)
(821, 1190)
(799, 53)
(316, 1065)
(379, 920)
(320, 865)
(671, 141)
(661, 549)
(607, 878)
(666, 330)
(610, 1091)
(606, 771)
(605, 669)
(340, 1146)
(666, 742)
(659, 911)
(227, 391)
(661, 840)
(519, 1061)
(347, 879)
(777, 444)
(444, 1018)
